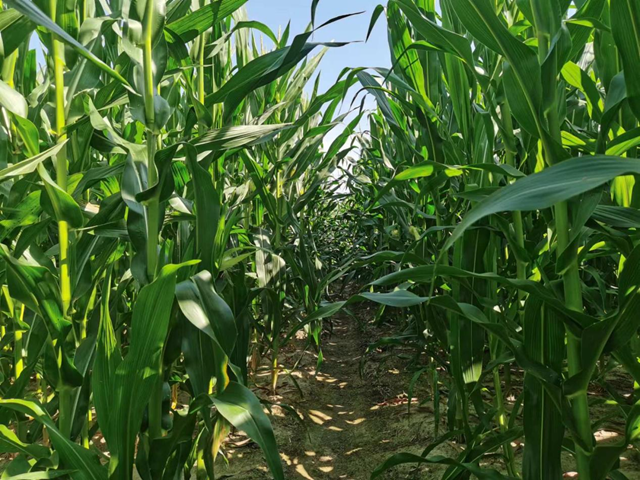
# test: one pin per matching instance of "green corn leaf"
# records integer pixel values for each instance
(544, 431)
(209, 313)
(581, 24)
(545, 189)
(207, 200)
(625, 26)
(162, 448)
(64, 206)
(622, 217)
(29, 134)
(194, 24)
(200, 360)
(132, 383)
(243, 410)
(105, 365)
(262, 71)
(594, 340)
(85, 463)
(379, 10)
(447, 40)
(404, 458)
(522, 70)
(44, 475)
(397, 298)
(575, 321)
(31, 11)
(237, 137)
(35, 286)
(626, 322)
(30, 164)
(314, 8)
(578, 78)
(14, 29)
(10, 443)
(12, 100)
(547, 16)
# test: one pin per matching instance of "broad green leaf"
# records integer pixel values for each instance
(579, 79)
(207, 203)
(85, 463)
(194, 24)
(29, 134)
(404, 458)
(449, 41)
(243, 410)
(614, 216)
(544, 342)
(64, 206)
(203, 307)
(15, 28)
(200, 361)
(575, 321)
(105, 365)
(522, 75)
(37, 288)
(12, 100)
(44, 474)
(553, 185)
(262, 71)
(379, 10)
(237, 137)
(136, 375)
(30, 10)
(625, 26)
(10, 443)
(30, 164)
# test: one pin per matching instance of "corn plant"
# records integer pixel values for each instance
(157, 167)
(498, 185)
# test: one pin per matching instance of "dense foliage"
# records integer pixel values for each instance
(157, 169)
(499, 181)
(172, 214)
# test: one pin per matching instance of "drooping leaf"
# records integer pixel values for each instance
(85, 464)
(555, 184)
(243, 410)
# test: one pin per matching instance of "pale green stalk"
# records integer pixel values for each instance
(64, 400)
(153, 208)
(18, 313)
(276, 320)
(503, 422)
(572, 286)
(152, 173)
(18, 338)
(518, 229)
(201, 94)
(83, 335)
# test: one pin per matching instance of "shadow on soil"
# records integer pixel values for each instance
(350, 423)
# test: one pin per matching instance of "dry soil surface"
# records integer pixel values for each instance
(352, 422)
(352, 416)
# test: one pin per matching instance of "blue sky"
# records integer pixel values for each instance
(374, 53)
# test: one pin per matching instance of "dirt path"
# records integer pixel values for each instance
(351, 424)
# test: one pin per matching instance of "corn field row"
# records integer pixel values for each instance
(172, 215)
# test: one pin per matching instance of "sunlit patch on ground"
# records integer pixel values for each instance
(352, 423)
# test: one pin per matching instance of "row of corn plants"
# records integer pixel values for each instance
(157, 167)
(497, 200)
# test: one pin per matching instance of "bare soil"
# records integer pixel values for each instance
(352, 416)
(352, 422)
